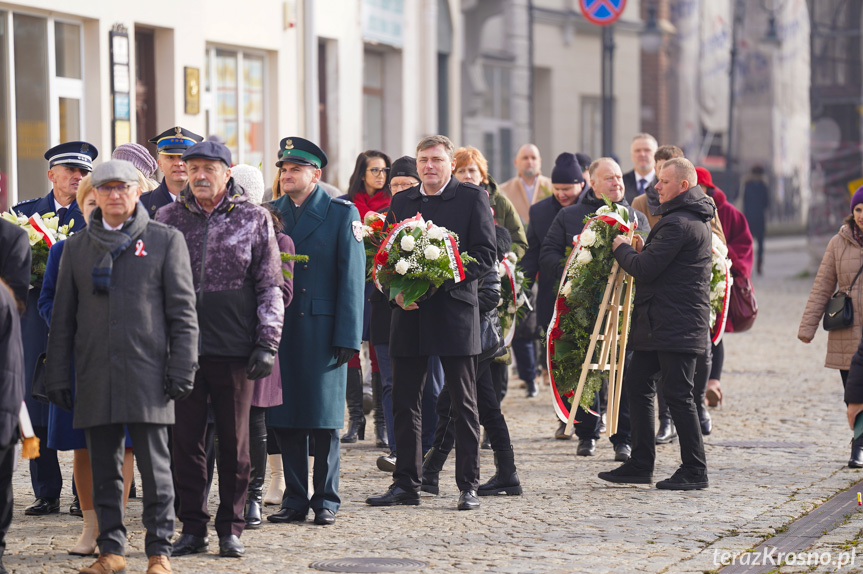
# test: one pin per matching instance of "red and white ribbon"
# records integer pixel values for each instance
(39, 225)
(452, 254)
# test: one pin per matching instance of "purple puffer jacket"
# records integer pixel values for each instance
(236, 269)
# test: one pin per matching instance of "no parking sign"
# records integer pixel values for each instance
(602, 12)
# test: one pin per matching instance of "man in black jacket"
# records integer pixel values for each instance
(669, 325)
(446, 325)
(607, 179)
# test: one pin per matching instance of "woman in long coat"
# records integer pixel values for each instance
(841, 263)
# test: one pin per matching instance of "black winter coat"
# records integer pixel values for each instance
(15, 259)
(672, 277)
(570, 222)
(11, 368)
(447, 324)
(542, 214)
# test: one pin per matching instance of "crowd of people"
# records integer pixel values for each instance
(206, 324)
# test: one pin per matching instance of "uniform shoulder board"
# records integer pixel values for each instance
(344, 202)
(26, 201)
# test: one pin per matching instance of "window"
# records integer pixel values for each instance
(43, 106)
(591, 126)
(373, 100)
(234, 85)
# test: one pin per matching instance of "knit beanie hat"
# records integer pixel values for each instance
(857, 197)
(583, 160)
(251, 180)
(566, 169)
(138, 156)
(405, 166)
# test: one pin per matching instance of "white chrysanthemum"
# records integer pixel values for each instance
(512, 258)
(719, 246)
(510, 309)
(584, 257)
(402, 267)
(567, 289)
(588, 237)
(719, 290)
(431, 253)
(501, 269)
(603, 210)
(435, 233)
(408, 243)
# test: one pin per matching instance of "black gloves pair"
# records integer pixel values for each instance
(343, 355)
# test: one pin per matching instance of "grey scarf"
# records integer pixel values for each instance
(113, 243)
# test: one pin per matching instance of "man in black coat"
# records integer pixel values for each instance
(670, 325)
(607, 181)
(16, 259)
(446, 324)
(567, 183)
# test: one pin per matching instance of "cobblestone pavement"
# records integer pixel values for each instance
(568, 520)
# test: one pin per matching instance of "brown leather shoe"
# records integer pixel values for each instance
(106, 564)
(159, 565)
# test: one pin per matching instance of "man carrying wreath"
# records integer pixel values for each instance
(446, 324)
(670, 325)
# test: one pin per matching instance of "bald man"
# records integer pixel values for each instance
(529, 186)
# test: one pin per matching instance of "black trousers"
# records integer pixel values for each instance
(676, 372)
(294, 446)
(409, 376)
(7, 464)
(488, 405)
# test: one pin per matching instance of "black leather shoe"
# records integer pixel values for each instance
(667, 433)
(856, 460)
(560, 433)
(467, 500)
(288, 515)
(486, 442)
(684, 479)
(705, 421)
(387, 462)
(43, 507)
(622, 452)
(253, 514)
(627, 473)
(532, 391)
(325, 516)
(393, 496)
(190, 544)
(75, 508)
(586, 447)
(230, 546)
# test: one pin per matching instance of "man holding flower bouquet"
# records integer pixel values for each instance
(445, 324)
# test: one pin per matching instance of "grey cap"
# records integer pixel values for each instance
(114, 170)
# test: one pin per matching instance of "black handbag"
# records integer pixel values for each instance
(839, 312)
(38, 389)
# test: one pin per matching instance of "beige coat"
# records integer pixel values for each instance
(840, 264)
(514, 191)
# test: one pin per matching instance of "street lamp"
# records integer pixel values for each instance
(652, 34)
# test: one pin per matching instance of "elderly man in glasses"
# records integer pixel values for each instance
(124, 315)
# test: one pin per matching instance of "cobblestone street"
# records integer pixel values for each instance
(568, 520)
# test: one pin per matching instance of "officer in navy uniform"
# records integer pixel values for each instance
(322, 328)
(68, 163)
(171, 145)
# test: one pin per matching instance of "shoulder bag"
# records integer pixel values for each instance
(839, 312)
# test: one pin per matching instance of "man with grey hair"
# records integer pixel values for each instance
(446, 324)
(670, 325)
(529, 185)
(125, 271)
(637, 180)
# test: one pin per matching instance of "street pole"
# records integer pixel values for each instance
(730, 157)
(607, 90)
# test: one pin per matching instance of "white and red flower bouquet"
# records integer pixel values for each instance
(43, 231)
(415, 258)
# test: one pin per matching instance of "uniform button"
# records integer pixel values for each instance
(302, 314)
(425, 200)
(305, 267)
(302, 290)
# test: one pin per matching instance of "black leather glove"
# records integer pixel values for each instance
(178, 389)
(260, 363)
(62, 398)
(343, 355)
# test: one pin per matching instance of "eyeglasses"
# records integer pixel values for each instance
(109, 189)
(400, 186)
(378, 170)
